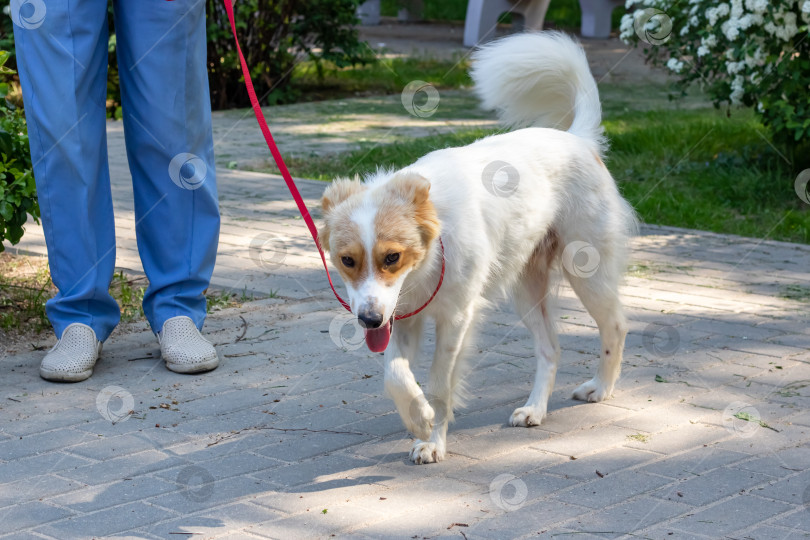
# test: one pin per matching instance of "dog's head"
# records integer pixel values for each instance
(376, 235)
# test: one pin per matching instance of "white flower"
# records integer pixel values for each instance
(806, 6)
(626, 27)
(675, 65)
(757, 6)
(736, 9)
(760, 107)
(711, 15)
(703, 50)
(730, 30)
(711, 39)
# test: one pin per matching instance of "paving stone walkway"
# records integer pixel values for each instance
(707, 435)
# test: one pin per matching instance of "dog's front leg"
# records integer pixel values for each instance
(445, 375)
(400, 384)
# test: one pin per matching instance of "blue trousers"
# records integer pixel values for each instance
(62, 61)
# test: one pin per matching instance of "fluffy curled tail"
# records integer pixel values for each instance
(540, 79)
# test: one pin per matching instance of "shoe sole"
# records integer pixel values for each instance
(197, 367)
(60, 376)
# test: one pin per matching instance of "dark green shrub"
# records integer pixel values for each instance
(275, 36)
(18, 192)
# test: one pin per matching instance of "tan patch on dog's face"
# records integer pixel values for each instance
(405, 225)
(392, 259)
(338, 234)
(334, 211)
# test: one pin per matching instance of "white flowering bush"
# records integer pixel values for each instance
(753, 53)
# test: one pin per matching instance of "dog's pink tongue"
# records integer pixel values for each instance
(377, 338)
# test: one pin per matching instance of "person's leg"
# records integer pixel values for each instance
(161, 49)
(62, 62)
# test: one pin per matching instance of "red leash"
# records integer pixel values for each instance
(285, 173)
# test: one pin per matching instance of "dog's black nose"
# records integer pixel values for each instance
(370, 319)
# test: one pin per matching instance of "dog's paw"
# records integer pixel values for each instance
(527, 417)
(420, 419)
(593, 390)
(426, 452)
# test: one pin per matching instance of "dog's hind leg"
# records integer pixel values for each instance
(534, 304)
(452, 335)
(600, 295)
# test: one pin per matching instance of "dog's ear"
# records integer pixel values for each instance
(337, 192)
(414, 189)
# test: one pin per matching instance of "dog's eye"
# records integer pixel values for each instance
(348, 262)
(392, 258)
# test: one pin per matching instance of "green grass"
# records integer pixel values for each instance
(795, 292)
(560, 14)
(686, 168)
(385, 76)
(370, 156)
(25, 287)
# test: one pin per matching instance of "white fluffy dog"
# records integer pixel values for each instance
(509, 209)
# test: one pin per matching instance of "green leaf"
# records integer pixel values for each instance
(6, 210)
(659, 378)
